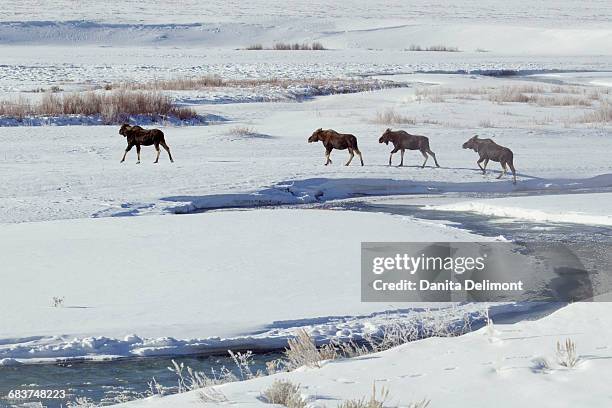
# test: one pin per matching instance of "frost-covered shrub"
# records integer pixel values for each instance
(284, 393)
(81, 402)
(243, 362)
(57, 301)
(603, 114)
(212, 395)
(280, 46)
(373, 401)
(302, 351)
(440, 48)
(189, 379)
(242, 131)
(391, 117)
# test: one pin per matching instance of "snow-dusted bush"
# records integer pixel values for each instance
(242, 131)
(563, 100)
(114, 106)
(174, 84)
(284, 393)
(280, 46)
(486, 123)
(156, 388)
(243, 362)
(211, 395)
(81, 402)
(302, 351)
(603, 114)
(441, 48)
(189, 379)
(566, 354)
(373, 401)
(391, 117)
(57, 301)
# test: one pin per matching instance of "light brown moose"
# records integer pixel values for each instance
(334, 140)
(487, 149)
(403, 141)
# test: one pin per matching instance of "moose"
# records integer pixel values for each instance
(403, 140)
(137, 136)
(487, 149)
(334, 140)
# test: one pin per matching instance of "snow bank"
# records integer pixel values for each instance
(320, 190)
(499, 366)
(98, 120)
(592, 209)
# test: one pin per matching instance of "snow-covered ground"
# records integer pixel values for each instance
(156, 285)
(66, 172)
(499, 366)
(141, 277)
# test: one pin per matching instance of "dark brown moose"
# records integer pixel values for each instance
(137, 136)
(334, 140)
(487, 149)
(403, 140)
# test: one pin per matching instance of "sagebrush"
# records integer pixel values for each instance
(284, 393)
(114, 107)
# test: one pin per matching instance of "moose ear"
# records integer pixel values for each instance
(388, 130)
(319, 129)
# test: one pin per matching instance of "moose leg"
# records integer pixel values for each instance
(360, 156)
(127, 149)
(138, 153)
(484, 166)
(426, 157)
(157, 149)
(166, 148)
(351, 155)
(327, 159)
(391, 155)
(503, 173)
(513, 171)
(478, 163)
(432, 154)
(402, 157)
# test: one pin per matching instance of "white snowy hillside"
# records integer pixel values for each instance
(500, 365)
(518, 26)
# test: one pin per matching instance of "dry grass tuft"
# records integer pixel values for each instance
(486, 123)
(391, 117)
(525, 93)
(284, 393)
(566, 354)
(374, 401)
(439, 48)
(315, 46)
(175, 84)
(314, 86)
(303, 351)
(113, 107)
(242, 131)
(602, 114)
